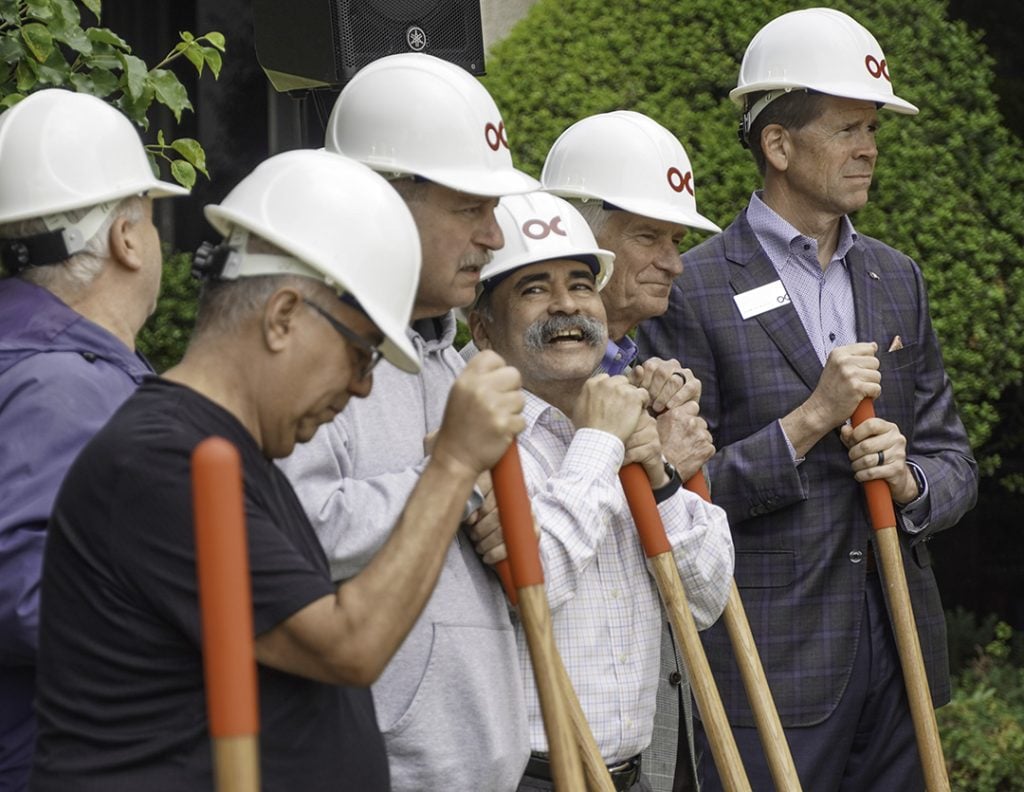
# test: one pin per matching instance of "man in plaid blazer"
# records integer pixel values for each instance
(790, 318)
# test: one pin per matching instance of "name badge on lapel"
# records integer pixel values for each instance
(762, 299)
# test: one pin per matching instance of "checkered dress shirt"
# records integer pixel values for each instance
(605, 607)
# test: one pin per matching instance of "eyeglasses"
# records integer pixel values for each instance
(372, 353)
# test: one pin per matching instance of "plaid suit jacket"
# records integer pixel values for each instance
(795, 527)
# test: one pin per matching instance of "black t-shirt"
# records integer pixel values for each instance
(121, 700)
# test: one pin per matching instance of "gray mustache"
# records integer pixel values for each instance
(541, 332)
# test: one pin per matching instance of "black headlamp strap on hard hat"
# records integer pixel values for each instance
(210, 260)
(38, 250)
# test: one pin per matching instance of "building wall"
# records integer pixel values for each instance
(499, 16)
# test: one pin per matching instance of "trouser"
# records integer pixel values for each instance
(867, 743)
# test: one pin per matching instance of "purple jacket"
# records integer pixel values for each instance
(61, 378)
(801, 531)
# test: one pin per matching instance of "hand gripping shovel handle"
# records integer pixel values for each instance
(222, 562)
(528, 577)
(922, 712)
(658, 550)
(766, 716)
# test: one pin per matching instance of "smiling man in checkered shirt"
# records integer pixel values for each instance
(540, 308)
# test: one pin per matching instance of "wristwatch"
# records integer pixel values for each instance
(667, 490)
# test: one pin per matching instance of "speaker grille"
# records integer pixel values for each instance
(371, 29)
(309, 44)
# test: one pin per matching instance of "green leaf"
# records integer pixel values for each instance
(183, 173)
(12, 48)
(39, 9)
(94, 6)
(215, 38)
(169, 91)
(104, 57)
(10, 100)
(67, 13)
(192, 151)
(137, 109)
(98, 82)
(83, 83)
(76, 39)
(160, 138)
(213, 59)
(186, 37)
(55, 71)
(38, 40)
(66, 27)
(49, 75)
(135, 73)
(26, 76)
(194, 55)
(9, 11)
(106, 36)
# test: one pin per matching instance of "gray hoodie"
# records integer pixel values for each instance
(450, 703)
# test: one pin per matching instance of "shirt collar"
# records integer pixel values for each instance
(781, 240)
(536, 412)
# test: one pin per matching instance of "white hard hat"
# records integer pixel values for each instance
(418, 115)
(344, 224)
(629, 161)
(819, 49)
(542, 227)
(61, 150)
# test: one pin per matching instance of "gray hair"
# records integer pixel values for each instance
(411, 190)
(224, 305)
(593, 212)
(77, 272)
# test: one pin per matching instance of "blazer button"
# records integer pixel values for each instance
(675, 678)
(856, 556)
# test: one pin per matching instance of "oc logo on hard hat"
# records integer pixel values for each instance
(877, 68)
(678, 182)
(535, 228)
(495, 135)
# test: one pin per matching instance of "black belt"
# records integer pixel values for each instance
(623, 774)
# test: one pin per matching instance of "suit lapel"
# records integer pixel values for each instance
(753, 268)
(864, 287)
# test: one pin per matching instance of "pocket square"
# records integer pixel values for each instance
(897, 343)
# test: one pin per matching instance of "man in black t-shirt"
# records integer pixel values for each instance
(274, 354)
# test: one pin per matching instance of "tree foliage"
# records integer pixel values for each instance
(43, 45)
(949, 188)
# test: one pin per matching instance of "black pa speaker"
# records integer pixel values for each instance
(307, 44)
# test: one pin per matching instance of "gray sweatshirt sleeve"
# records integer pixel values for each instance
(353, 517)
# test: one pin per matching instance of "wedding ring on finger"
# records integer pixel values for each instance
(881, 459)
(681, 376)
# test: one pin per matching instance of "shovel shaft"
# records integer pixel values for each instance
(526, 574)
(908, 644)
(766, 716)
(562, 750)
(656, 546)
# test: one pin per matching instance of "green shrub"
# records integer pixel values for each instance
(968, 635)
(949, 188)
(982, 728)
(165, 335)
